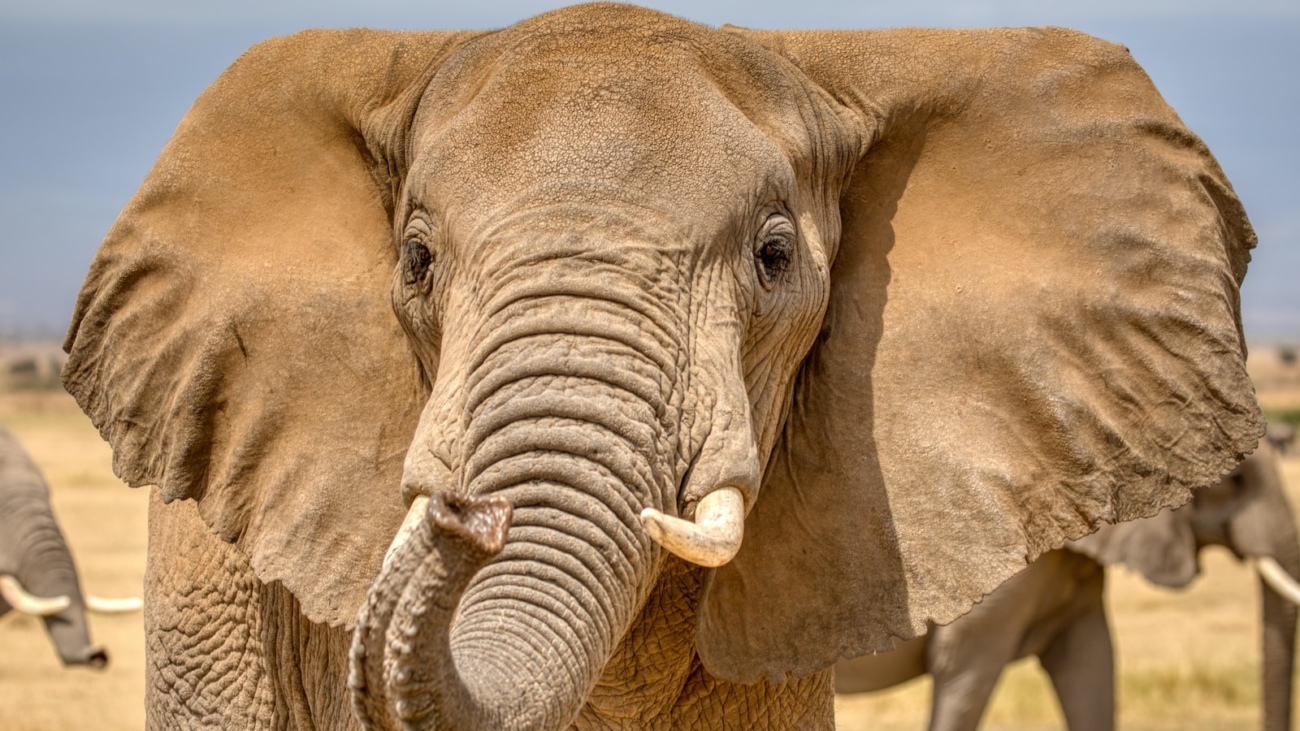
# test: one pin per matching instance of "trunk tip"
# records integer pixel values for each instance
(481, 521)
(92, 656)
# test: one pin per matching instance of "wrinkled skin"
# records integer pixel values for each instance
(607, 261)
(33, 550)
(1054, 608)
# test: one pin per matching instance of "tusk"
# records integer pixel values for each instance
(419, 506)
(19, 599)
(713, 539)
(113, 606)
(1278, 579)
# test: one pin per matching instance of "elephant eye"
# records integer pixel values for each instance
(774, 248)
(418, 259)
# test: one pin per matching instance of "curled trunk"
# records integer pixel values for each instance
(428, 574)
(536, 618)
(563, 447)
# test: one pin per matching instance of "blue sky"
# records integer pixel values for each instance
(92, 90)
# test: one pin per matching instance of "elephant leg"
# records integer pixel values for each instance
(225, 650)
(204, 655)
(307, 664)
(1081, 664)
(960, 697)
(966, 658)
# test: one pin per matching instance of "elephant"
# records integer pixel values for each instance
(37, 573)
(1054, 608)
(1282, 436)
(516, 379)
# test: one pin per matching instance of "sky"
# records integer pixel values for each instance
(90, 91)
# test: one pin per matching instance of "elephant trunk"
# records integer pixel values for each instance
(407, 618)
(566, 443)
(47, 570)
(1279, 634)
(35, 560)
(1264, 531)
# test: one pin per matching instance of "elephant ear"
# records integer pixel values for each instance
(1162, 547)
(1033, 328)
(235, 340)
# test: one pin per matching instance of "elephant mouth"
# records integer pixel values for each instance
(710, 539)
(411, 660)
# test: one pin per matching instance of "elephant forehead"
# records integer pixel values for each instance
(615, 110)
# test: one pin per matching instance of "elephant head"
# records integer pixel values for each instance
(1248, 513)
(37, 574)
(605, 281)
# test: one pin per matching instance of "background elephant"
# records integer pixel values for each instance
(37, 574)
(1282, 436)
(1054, 609)
(590, 299)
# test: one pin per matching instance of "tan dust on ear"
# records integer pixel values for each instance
(234, 340)
(1033, 328)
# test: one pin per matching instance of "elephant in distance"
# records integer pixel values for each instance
(37, 573)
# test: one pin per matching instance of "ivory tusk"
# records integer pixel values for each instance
(419, 506)
(1278, 579)
(715, 536)
(19, 599)
(104, 605)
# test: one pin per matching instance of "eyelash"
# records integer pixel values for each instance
(774, 257)
(775, 250)
(418, 259)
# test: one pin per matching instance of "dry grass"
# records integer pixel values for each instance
(1188, 660)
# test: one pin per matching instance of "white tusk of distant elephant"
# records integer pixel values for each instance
(19, 599)
(715, 536)
(1278, 579)
(419, 506)
(104, 605)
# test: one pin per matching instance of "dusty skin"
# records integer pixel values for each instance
(1187, 660)
(614, 267)
(611, 267)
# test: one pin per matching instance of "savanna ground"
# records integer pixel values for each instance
(1187, 660)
